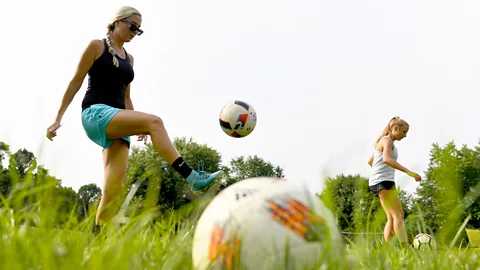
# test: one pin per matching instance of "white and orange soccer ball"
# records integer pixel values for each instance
(423, 240)
(265, 223)
(238, 119)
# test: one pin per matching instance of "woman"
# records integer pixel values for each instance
(382, 177)
(108, 116)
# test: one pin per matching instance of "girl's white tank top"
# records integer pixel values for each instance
(380, 170)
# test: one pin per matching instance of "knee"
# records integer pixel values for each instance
(398, 215)
(155, 123)
(389, 218)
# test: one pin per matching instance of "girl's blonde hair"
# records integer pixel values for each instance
(121, 13)
(395, 121)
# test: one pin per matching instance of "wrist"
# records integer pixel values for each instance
(59, 116)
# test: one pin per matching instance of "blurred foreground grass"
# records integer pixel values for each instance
(30, 238)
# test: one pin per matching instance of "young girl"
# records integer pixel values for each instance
(382, 177)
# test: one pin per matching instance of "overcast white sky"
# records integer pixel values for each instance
(324, 77)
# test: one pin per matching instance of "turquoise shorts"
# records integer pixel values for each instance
(95, 119)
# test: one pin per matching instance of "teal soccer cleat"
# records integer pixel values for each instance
(202, 180)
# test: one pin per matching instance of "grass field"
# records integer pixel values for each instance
(143, 245)
(30, 240)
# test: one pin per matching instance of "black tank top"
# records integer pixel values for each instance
(106, 82)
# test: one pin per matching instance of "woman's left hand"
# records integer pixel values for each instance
(143, 138)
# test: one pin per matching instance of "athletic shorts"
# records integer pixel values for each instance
(95, 119)
(388, 185)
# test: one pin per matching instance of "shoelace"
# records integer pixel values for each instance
(202, 171)
(202, 174)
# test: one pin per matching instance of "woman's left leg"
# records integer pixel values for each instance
(115, 161)
(391, 203)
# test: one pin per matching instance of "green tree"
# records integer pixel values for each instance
(89, 196)
(162, 185)
(242, 168)
(4, 150)
(354, 206)
(28, 186)
(55, 204)
(348, 198)
(450, 191)
(4, 176)
(23, 160)
(66, 204)
(19, 162)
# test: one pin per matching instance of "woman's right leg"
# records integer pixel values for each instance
(129, 123)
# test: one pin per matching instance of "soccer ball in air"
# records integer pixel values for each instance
(265, 223)
(423, 240)
(238, 119)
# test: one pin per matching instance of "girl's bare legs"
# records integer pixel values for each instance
(128, 123)
(392, 206)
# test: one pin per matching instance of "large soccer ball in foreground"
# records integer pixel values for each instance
(265, 223)
(238, 119)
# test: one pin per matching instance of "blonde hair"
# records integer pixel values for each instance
(121, 13)
(395, 121)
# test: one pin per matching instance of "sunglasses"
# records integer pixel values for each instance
(133, 27)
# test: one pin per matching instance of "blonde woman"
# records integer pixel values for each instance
(382, 177)
(108, 115)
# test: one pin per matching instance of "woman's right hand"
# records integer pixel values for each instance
(52, 130)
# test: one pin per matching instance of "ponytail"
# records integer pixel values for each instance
(393, 122)
(111, 43)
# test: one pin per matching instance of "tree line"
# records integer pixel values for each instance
(448, 195)
(24, 185)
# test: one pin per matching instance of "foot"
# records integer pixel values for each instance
(96, 229)
(202, 180)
